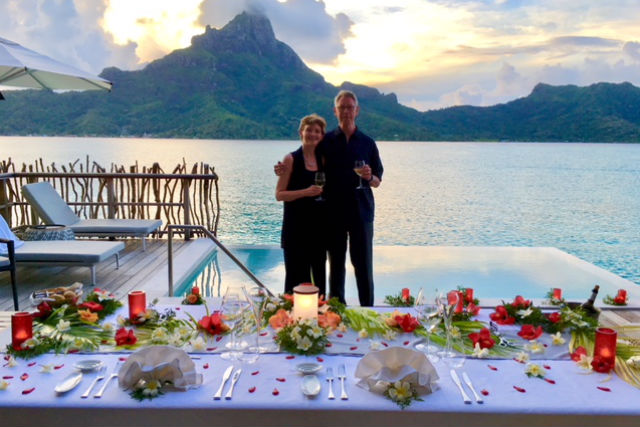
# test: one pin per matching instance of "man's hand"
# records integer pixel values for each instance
(366, 173)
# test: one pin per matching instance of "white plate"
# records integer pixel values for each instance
(69, 383)
(88, 365)
(308, 368)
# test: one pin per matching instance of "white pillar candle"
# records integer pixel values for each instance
(305, 301)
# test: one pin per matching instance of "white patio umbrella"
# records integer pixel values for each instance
(24, 68)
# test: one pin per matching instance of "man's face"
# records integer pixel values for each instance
(346, 112)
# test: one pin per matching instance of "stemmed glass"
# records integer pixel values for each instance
(357, 168)
(428, 315)
(258, 300)
(446, 304)
(320, 180)
(233, 307)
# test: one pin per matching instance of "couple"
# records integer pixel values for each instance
(312, 227)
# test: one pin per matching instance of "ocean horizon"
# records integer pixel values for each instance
(583, 198)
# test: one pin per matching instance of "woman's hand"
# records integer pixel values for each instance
(279, 169)
(313, 191)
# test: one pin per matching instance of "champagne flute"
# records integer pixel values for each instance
(233, 306)
(446, 305)
(258, 299)
(357, 168)
(320, 180)
(428, 315)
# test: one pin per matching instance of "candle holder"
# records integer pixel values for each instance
(605, 345)
(622, 294)
(137, 304)
(557, 294)
(305, 301)
(468, 294)
(21, 329)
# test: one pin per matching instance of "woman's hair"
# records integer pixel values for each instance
(313, 119)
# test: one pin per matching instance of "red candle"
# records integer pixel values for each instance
(456, 297)
(557, 293)
(605, 345)
(469, 294)
(406, 294)
(21, 329)
(622, 294)
(137, 304)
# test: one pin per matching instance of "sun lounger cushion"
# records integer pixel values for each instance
(67, 251)
(6, 233)
(116, 226)
(48, 204)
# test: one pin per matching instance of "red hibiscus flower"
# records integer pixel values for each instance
(195, 290)
(501, 316)
(288, 297)
(520, 302)
(620, 300)
(408, 323)
(554, 317)
(92, 306)
(577, 355)
(213, 325)
(600, 365)
(473, 309)
(44, 310)
(483, 338)
(528, 332)
(125, 337)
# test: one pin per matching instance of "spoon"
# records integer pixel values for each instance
(69, 383)
(311, 385)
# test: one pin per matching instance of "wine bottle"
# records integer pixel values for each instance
(589, 306)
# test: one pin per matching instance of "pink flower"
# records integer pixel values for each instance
(213, 325)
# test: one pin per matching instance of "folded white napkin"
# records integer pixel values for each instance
(162, 363)
(378, 369)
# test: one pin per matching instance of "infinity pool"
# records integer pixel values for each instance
(496, 273)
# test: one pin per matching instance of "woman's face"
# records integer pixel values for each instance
(311, 134)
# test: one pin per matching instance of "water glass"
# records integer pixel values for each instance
(233, 307)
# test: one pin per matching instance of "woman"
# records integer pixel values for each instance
(303, 230)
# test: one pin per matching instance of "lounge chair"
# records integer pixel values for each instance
(52, 209)
(81, 253)
(8, 263)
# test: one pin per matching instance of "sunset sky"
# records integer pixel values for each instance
(431, 53)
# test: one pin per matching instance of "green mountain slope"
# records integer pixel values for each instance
(240, 82)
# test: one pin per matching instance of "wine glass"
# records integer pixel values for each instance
(446, 304)
(357, 168)
(320, 180)
(428, 315)
(233, 307)
(258, 300)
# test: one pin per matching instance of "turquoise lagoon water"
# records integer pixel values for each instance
(581, 198)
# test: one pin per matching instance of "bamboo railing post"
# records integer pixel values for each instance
(111, 199)
(4, 202)
(186, 205)
(33, 217)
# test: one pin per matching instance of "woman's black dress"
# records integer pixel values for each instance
(303, 232)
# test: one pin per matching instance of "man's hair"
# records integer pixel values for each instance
(344, 93)
(313, 119)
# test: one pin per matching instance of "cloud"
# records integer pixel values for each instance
(304, 25)
(632, 50)
(65, 30)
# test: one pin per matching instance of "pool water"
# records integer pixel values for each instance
(495, 273)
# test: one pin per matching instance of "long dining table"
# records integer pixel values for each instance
(268, 393)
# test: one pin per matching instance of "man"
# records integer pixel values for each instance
(350, 209)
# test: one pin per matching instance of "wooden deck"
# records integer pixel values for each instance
(136, 267)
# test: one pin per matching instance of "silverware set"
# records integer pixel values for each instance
(467, 381)
(342, 376)
(225, 378)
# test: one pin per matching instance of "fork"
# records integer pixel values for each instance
(342, 374)
(93, 384)
(113, 375)
(330, 380)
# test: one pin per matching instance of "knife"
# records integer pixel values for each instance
(236, 375)
(456, 380)
(467, 381)
(225, 377)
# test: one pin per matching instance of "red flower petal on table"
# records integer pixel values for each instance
(29, 390)
(603, 388)
(520, 389)
(357, 339)
(205, 366)
(264, 334)
(122, 359)
(218, 338)
(576, 355)
(353, 348)
(281, 379)
(493, 368)
(275, 392)
(519, 361)
(339, 335)
(289, 357)
(546, 367)
(24, 376)
(73, 350)
(6, 357)
(58, 367)
(484, 392)
(177, 308)
(252, 389)
(385, 344)
(319, 359)
(529, 332)
(211, 348)
(549, 380)
(255, 372)
(31, 364)
(328, 344)
(406, 342)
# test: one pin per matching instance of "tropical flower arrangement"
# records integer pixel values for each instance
(552, 300)
(404, 322)
(100, 302)
(403, 393)
(620, 299)
(403, 299)
(155, 328)
(303, 337)
(467, 307)
(277, 312)
(193, 297)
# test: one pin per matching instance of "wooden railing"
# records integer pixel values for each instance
(179, 197)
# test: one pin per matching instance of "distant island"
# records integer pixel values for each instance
(239, 82)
